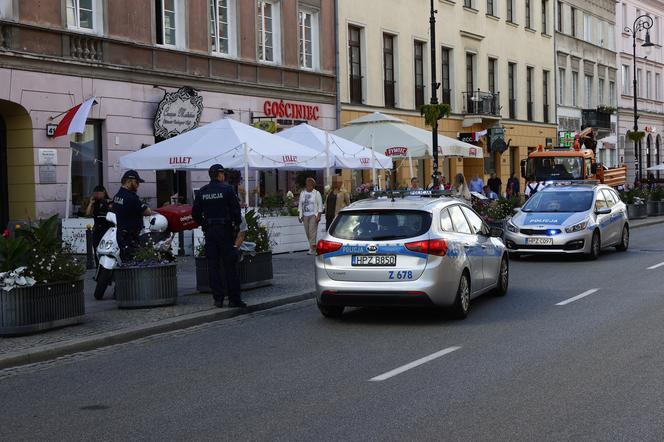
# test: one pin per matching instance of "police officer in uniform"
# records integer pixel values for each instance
(98, 207)
(129, 211)
(217, 210)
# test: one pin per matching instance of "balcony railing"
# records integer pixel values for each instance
(447, 96)
(419, 96)
(529, 108)
(595, 119)
(545, 113)
(512, 108)
(356, 89)
(389, 87)
(481, 103)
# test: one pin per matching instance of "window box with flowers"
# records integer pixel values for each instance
(40, 281)
(255, 268)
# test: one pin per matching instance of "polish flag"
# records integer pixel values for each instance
(74, 120)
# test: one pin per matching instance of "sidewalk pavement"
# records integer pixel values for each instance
(106, 325)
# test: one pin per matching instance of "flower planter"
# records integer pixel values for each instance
(255, 271)
(661, 208)
(637, 211)
(654, 208)
(25, 310)
(146, 286)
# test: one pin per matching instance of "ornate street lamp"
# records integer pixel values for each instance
(434, 95)
(643, 22)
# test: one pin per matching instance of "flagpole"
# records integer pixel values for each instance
(68, 198)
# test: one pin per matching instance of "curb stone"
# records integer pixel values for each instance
(47, 352)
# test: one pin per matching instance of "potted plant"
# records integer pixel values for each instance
(148, 280)
(255, 268)
(635, 199)
(40, 281)
(496, 213)
(656, 201)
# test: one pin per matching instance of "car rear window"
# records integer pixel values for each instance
(380, 225)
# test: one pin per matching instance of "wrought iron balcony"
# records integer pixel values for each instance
(481, 103)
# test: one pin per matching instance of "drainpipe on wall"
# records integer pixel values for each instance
(337, 61)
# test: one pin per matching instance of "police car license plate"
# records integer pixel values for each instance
(539, 241)
(374, 260)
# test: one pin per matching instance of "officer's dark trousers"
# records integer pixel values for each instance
(221, 255)
(128, 242)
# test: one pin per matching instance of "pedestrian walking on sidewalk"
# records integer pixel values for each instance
(217, 210)
(98, 208)
(309, 208)
(129, 211)
(336, 200)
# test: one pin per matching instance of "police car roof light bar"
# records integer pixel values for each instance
(573, 182)
(404, 193)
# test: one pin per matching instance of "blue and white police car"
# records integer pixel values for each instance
(569, 218)
(413, 251)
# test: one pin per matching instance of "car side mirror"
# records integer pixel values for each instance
(604, 211)
(496, 232)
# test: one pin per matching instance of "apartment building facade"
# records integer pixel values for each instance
(586, 68)
(650, 96)
(494, 60)
(247, 60)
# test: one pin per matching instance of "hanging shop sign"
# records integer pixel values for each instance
(178, 112)
(285, 109)
(396, 151)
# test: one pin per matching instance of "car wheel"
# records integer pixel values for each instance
(462, 302)
(595, 246)
(624, 239)
(503, 278)
(331, 311)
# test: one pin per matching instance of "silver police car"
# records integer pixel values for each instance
(569, 218)
(413, 251)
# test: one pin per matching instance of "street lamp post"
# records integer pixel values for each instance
(434, 95)
(643, 22)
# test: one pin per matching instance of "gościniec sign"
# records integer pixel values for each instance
(177, 113)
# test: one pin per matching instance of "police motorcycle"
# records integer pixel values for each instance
(108, 251)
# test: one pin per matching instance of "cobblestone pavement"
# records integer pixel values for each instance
(293, 274)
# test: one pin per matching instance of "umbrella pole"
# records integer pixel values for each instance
(373, 160)
(327, 159)
(410, 165)
(257, 187)
(246, 174)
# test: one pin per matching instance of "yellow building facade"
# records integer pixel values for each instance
(495, 69)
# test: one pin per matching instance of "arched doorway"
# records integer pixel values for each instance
(17, 164)
(4, 190)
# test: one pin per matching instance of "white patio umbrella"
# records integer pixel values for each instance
(231, 143)
(396, 138)
(340, 152)
(657, 168)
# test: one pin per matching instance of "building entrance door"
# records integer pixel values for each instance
(4, 185)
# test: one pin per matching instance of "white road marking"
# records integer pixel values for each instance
(656, 266)
(577, 297)
(413, 364)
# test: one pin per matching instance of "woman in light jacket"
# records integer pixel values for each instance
(461, 188)
(309, 208)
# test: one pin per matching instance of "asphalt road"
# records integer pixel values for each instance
(519, 368)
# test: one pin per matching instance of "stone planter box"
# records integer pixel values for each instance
(255, 271)
(637, 211)
(654, 208)
(146, 286)
(42, 307)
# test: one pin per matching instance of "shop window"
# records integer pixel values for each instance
(170, 22)
(86, 165)
(82, 15)
(222, 27)
(308, 32)
(268, 30)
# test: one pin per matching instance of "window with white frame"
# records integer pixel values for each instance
(561, 86)
(170, 22)
(626, 80)
(6, 9)
(222, 27)
(658, 87)
(612, 37)
(588, 91)
(308, 33)
(612, 93)
(600, 92)
(639, 83)
(648, 84)
(587, 28)
(81, 14)
(268, 31)
(575, 88)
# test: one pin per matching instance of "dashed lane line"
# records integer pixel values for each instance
(577, 297)
(656, 266)
(413, 364)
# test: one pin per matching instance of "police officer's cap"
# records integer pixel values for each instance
(99, 188)
(132, 175)
(215, 169)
